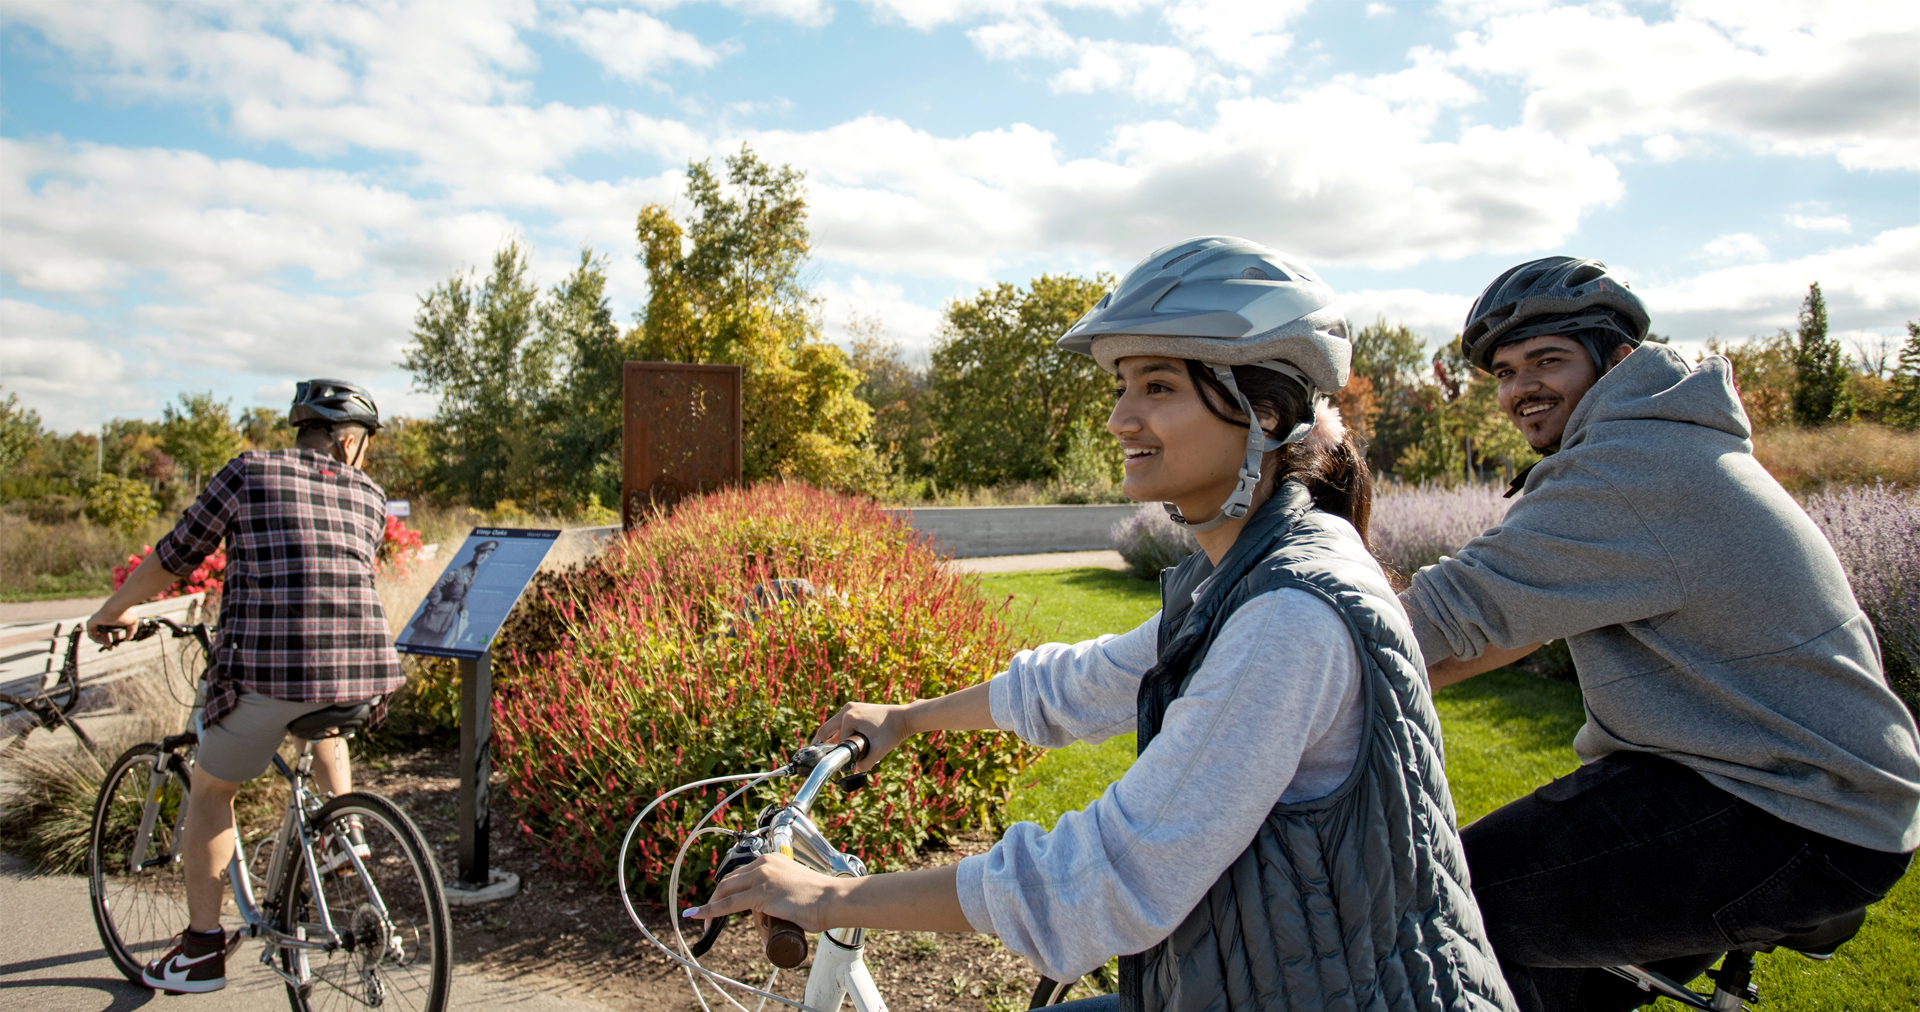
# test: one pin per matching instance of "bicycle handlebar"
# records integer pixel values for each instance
(786, 944)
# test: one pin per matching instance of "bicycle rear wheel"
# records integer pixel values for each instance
(139, 900)
(395, 949)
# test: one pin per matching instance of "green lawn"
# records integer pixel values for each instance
(1506, 733)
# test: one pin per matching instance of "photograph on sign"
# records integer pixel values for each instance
(469, 601)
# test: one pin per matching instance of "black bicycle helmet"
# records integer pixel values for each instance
(329, 402)
(1554, 295)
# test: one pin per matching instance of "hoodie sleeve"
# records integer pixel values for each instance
(1571, 556)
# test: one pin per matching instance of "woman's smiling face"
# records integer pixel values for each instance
(1176, 450)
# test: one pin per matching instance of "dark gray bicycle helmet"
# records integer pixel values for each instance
(1554, 295)
(327, 402)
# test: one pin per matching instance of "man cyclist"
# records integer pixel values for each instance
(301, 629)
(1747, 774)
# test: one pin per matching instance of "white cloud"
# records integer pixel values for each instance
(909, 323)
(52, 361)
(1735, 246)
(1820, 222)
(1435, 316)
(1864, 285)
(631, 45)
(1217, 46)
(1371, 188)
(926, 15)
(1801, 79)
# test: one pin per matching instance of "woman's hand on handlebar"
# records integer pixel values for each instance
(774, 886)
(887, 726)
(883, 726)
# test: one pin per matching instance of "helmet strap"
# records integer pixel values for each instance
(1240, 502)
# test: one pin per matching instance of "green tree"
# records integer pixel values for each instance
(123, 504)
(1903, 395)
(19, 430)
(266, 429)
(1821, 389)
(1763, 375)
(477, 347)
(1463, 434)
(895, 391)
(725, 288)
(1384, 402)
(199, 434)
(586, 401)
(402, 458)
(1005, 400)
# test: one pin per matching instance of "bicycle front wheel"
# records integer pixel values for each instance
(381, 891)
(139, 892)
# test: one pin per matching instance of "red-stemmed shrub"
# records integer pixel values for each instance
(208, 577)
(658, 664)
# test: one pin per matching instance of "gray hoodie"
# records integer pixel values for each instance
(1709, 619)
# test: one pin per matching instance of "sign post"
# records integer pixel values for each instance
(681, 435)
(458, 619)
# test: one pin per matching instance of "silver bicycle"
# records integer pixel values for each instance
(353, 915)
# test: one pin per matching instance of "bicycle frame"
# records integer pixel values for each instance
(839, 970)
(295, 825)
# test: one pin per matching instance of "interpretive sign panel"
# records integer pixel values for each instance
(471, 599)
(681, 437)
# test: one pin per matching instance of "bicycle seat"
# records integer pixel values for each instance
(1823, 940)
(332, 722)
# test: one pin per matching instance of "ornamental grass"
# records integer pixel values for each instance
(665, 660)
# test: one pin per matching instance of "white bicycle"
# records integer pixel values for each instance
(839, 971)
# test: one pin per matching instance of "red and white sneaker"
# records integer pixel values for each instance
(334, 847)
(190, 967)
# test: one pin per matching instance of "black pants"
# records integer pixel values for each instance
(1637, 859)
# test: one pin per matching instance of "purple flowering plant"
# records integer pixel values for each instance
(1414, 525)
(1150, 542)
(1876, 532)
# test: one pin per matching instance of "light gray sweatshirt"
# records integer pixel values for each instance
(1273, 714)
(1709, 620)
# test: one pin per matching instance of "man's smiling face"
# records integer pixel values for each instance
(1541, 381)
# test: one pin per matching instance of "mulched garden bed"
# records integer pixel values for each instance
(572, 938)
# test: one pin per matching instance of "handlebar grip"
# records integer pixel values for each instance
(787, 945)
(863, 748)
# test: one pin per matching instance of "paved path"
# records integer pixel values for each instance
(47, 611)
(51, 961)
(1108, 559)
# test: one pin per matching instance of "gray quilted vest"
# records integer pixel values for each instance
(1358, 900)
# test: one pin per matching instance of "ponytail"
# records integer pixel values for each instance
(1333, 469)
(1327, 462)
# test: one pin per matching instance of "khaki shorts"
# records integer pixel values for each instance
(242, 745)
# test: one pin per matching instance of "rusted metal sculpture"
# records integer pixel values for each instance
(681, 437)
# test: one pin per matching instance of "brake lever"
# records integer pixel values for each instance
(740, 856)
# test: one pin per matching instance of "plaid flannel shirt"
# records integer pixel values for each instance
(299, 618)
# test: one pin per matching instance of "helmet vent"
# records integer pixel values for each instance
(1179, 258)
(1255, 274)
(1584, 274)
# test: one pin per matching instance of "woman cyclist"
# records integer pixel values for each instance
(1285, 839)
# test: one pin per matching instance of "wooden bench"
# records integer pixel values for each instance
(31, 652)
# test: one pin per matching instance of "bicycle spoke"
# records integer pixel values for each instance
(397, 960)
(137, 911)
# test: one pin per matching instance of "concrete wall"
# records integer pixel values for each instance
(969, 531)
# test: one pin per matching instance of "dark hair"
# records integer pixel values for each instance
(1336, 477)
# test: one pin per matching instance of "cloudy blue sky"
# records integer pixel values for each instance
(233, 196)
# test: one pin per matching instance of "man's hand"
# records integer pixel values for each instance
(105, 623)
(775, 886)
(147, 579)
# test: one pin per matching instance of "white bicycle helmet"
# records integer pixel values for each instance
(1225, 302)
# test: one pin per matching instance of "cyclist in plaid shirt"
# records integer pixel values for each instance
(301, 629)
